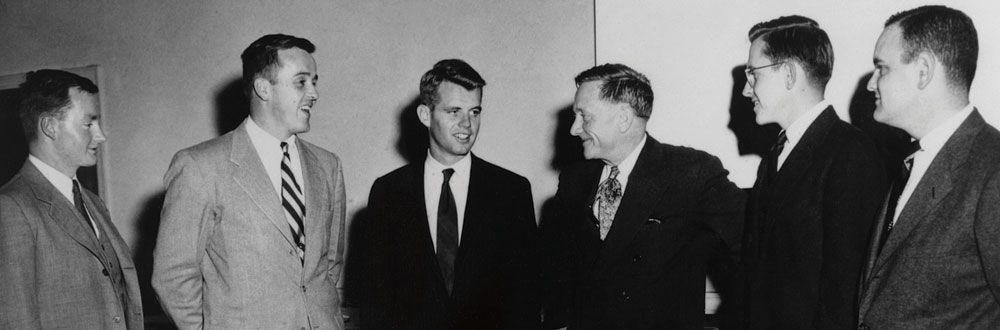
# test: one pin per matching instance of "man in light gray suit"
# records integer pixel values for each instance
(64, 264)
(934, 260)
(252, 227)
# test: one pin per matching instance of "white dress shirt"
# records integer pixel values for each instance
(930, 145)
(459, 184)
(798, 128)
(624, 170)
(269, 150)
(63, 184)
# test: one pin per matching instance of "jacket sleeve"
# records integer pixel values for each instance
(19, 306)
(186, 222)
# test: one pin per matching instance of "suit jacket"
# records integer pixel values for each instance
(496, 271)
(808, 228)
(677, 211)
(53, 274)
(940, 265)
(225, 256)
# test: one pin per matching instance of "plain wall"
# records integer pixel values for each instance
(689, 50)
(168, 73)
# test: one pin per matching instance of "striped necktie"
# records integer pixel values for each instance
(292, 201)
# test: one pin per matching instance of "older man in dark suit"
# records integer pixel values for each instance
(64, 264)
(455, 235)
(934, 261)
(636, 224)
(817, 191)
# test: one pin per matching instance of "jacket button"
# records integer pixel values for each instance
(637, 258)
(303, 288)
(625, 296)
(104, 271)
(863, 327)
(117, 319)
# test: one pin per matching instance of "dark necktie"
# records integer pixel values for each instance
(78, 201)
(292, 201)
(447, 231)
(894, 193)
(609, 195)
(776, 150)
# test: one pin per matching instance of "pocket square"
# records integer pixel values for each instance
(654, 221)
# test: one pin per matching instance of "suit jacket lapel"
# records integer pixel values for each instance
(475, 205)
(249, 173)
(107, 227)
(60, 210)
(799, 160)
(315, 191)
(933, 186)
(415, 231)
(645, 185)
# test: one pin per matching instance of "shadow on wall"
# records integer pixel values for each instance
(231, 105)
(567, 151)
(413, 138)
(147, 227)
(751, 138)
(892, 143)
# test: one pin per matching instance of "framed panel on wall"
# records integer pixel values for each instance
(14, 146)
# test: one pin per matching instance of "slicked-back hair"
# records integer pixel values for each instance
(45, 93)
(945, 32)
(621, 84)
(800, 39)
(260, 59)
(453, 70)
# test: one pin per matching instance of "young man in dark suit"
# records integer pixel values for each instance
(636, 223)
(934, 261)
(817, 191)
(454, 243)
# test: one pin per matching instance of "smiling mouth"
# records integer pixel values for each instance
(463, 136)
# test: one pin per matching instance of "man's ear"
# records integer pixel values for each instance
(792, 74)
(49, 126)
(262, 88)
(624, 115)
(424, 113)
(926, 63)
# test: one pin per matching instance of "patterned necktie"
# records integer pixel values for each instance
(292, 201)
(447, 231)
(609, 195)
(78, 201)
(896, 191)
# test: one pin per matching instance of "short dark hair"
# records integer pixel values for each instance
(947, 33)
(261, 57)
(453, 70)
(800, 39)
(45, 93)
(621, 84)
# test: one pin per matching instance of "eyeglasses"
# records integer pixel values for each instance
(751, 78)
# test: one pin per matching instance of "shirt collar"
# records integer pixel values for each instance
(627, 164)
(261, 138)
(462, 166)
(936, 138)
(63, 183)
(798, 128)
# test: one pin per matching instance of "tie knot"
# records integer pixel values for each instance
(447, 173)
(284, 147)
(782, 138)
(913, 147)
(614, 173)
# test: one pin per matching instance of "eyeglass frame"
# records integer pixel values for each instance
(749, 72)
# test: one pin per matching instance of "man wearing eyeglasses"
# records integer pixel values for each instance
(817, 190)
